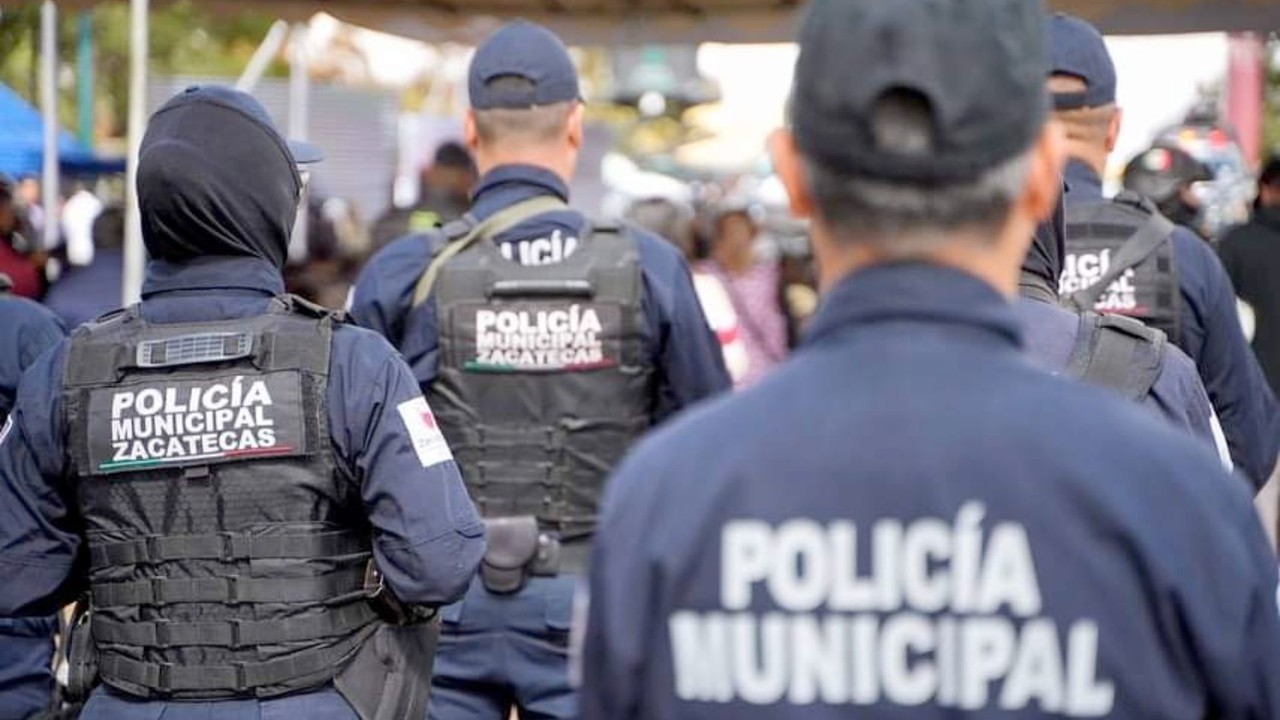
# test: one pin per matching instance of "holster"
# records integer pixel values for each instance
(390, 676)
(82, 655)
(517, 550)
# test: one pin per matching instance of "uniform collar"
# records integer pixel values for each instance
(508, 184)
(213, 273)
(1085, 184)
(915, 292)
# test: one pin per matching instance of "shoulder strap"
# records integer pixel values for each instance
(1140, 245)
(1119, 353)
(494, 225)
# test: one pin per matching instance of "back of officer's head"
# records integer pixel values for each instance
(1082, 81)
(525, 103)
(215, 178)
(936, 146)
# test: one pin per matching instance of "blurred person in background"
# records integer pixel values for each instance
(1124, 257)
(20, 258)
(1167, 176)
(444, 194)
(1111, 351)
(28, 198)
(674, 222)
(1251, 255)
(79, 211)
(753, 284)
(82, 294)
(27, 330)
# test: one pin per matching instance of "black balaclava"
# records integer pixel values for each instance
(216, 179)
(1043, 264)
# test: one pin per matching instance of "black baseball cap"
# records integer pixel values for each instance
(303, 153)
(1161, 170)
(1076, 48)
(978, 65)
(524, 50)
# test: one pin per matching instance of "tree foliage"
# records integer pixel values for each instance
(184, 40)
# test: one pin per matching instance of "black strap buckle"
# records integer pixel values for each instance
(164, 638)
(164, 678)
(155, 587)
(233, 590)
(236, 633)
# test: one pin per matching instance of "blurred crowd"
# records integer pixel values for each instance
(753, 275)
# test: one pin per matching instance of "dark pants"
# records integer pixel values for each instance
(324, 704)
(499, 652)
(26, 660)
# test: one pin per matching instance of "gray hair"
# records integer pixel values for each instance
(907, 219)
(537, 124)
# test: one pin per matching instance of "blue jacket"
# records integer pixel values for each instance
(909, 520)
(1178, 396)
(26, 644)
(428, 538)
(685, 352)
(1212, 338)
(84, 294)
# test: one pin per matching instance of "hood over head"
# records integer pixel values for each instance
(215, 177)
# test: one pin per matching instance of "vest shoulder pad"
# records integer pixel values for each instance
(306, 308)
(1118, 353)
(1132, 328)
(109, 318)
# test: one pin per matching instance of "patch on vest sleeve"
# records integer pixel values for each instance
(428, 441)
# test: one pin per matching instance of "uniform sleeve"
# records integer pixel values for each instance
(690, 362)
(1226, 602)
(619, 617)
(1237, 388)
(1181, 398)
(428, 538)
(383, 293)
(40, 547)
(38, 336)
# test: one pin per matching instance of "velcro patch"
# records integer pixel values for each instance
(181, 423)
(540, 337)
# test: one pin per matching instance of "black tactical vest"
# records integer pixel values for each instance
(544, 379)
(1148, 291)
(227, 554)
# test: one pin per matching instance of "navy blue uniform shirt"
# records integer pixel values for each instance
(1213, 339)
(26, 644)
(908, 519)
(685, 352)
(428, 538)
(27, 329)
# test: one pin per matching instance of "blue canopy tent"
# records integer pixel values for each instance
(22, 143)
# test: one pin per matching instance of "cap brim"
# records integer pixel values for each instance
(304, 153)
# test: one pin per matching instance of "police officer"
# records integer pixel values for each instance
(908, 519)
(1155, 272)
(26, 644)
(1111, 351)
(1166, 176)
(546, 344)
(251, 495)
